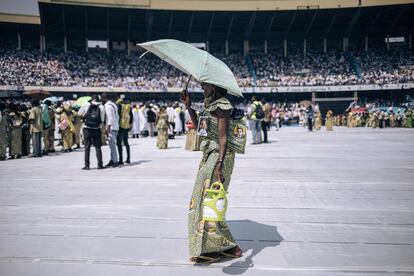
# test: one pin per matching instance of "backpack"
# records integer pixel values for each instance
(45, 116)
(259, 112)
(125, 116)
(93, 116)
(151, 117)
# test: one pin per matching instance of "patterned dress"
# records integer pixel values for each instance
(209, 236)
(162, 127)
(15, 134)
(329, 121)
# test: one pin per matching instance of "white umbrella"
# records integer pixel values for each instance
(203, 66)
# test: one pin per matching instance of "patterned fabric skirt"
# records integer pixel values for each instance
(162, 138)
(16, 141)
(208, 236)
(67, 137)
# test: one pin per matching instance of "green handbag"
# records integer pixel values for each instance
(215, 202)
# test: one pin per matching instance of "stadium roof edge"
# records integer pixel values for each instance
(20, 18)
(230, 5)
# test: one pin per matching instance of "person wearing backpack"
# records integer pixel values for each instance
(125, 124)
(255, 115)
(93, 115)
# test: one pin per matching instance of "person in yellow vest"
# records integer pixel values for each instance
(329, 120)
(125, 124)
(318, 121)
(67, 127)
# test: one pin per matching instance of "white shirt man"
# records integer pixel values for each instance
(112, 127)
(112, 116)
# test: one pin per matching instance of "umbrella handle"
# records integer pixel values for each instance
(188, 82)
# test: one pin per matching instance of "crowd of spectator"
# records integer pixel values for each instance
(98, 69)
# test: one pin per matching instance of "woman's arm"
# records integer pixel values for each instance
(223, 126)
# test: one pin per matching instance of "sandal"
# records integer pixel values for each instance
(205, 259)
(234, 252)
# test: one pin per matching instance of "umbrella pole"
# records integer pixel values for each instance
(188, 82)
(185, 92)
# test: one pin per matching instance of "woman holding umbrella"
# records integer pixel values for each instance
(209, 235)
(209, 240)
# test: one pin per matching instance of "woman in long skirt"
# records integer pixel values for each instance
(210, 240)
(15, 134)
(162, 127)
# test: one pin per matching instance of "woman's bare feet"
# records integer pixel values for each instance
(206, 258)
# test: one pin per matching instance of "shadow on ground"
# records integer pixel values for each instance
(136, 163)
(255, 237)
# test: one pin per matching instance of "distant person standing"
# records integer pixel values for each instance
(255, 116)
(318, 121)
(112, 128)
(49, 131)
(136, 127)
(36, 128)
(25, 129)
(93, 115)
(309, 117)
(67, 127)
(171, 118)
(3, 131)
(177, 120)
(77, 122)
(151, 118)
(162, 127)
(267, 110)
(15, 126)
(329, 120)
(125, 124)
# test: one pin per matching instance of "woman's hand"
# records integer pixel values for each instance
(185, 98)
(218, 172)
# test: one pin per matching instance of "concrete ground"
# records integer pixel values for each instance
(306, 204)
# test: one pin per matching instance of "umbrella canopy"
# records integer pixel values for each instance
(52, 99)
(203, 66)
(37, 94)
(82, 100)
